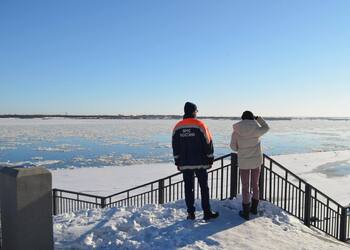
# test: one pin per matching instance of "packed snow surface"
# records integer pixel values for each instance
(165, 227)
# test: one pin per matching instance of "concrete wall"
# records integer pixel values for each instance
(26, 208)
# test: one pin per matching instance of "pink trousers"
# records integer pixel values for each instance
(254, 174)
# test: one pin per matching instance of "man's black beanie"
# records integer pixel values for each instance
(190, 108)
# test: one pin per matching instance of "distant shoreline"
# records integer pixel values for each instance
(161, 117)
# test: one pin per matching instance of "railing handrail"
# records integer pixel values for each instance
(77, 193)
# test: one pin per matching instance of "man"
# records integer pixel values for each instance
(193, 154)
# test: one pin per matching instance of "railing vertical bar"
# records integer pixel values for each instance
(322, 216)
(170, 189)
(315, 208)
(289, 186)
(337, 223)
(166, 194)
(227, 182)
(266, 169)
(299, 208)
(182, 192)
(279, 191)
(274, 188)
(285, 190)
(59, 202)
(318, 214)
(293, 210)
(211, 185)
(63, 205)
(333, 223)
(152, 193)
(270, 188)
(177, 191)
(222, 180)
(217, 182)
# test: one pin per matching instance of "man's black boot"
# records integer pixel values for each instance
(210, 215)
(191, 216)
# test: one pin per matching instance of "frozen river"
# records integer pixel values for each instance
(72, 143)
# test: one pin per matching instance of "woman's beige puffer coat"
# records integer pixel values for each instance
(246, 142)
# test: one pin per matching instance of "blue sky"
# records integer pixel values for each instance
(276, 58)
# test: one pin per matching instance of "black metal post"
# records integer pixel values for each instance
(54, 195)
(261, 182)
(103, 202)
(307, 209)
(234, 176)
(169, 189)
(161, 191)
(343, 221)
(127, 198)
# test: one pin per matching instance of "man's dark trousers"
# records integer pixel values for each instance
(202, 175)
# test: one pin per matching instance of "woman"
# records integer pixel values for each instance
(246, 141)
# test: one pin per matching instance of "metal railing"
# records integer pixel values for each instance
(277, 185)
(65, 201)
(286, 190)
(170, 188)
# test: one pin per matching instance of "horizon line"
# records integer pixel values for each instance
(42, 115)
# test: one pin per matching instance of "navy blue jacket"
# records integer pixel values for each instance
(192, 145)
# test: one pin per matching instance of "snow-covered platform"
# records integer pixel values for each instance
(164, 227)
